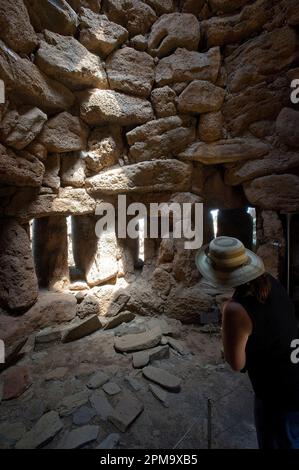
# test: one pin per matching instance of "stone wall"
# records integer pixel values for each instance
(146, 98)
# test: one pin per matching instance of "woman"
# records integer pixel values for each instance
(258, 327)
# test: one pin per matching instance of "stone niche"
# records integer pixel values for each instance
(176, 101)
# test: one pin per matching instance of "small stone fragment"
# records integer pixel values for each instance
(162, 378)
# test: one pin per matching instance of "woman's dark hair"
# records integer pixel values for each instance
(259, 288)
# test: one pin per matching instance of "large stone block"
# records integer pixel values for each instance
(14, 19)
(240, 110)
(104, 148)
(104, 106)
(186, 66)
(144, 177)
(210, 127)
(99, 35)
(56, 16)
(27, 204)
(161, 138)
(172, 31)
(232, 29)
(275, 192)
(201, 97)
(65, 59)
(24, 128)
(72, 170)
(275, 162)
(18, 281)
(20, 170)
(134, 15)
(64, 133)
(30, 85)
(287, 127)
(261, 57)
(131, 71)
(223, 151)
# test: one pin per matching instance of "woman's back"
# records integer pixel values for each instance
(268, 353)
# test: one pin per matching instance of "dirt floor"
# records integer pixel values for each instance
(60, 371)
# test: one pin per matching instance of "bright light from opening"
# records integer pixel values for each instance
(71, 260)
(214, 214)
(141, 240)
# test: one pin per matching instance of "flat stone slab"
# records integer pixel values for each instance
(70, 404)
(84, 328)
(97, 380)
(160, 394)
(136, 386)
(142, 358)
(11, 433)
(123, 317)
(42, 432)
(16, 382)
(100, 403)
(111, 388)
(79, 437)
(48, 335)
(110, 442)
(126, 411)
(139, 341)
(57, 374)
(83, 415)
(162, 378)
(176, 345)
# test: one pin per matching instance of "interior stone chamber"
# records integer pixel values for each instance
(161, 101)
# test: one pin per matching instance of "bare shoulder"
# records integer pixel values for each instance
(235, 314)
(233, 307)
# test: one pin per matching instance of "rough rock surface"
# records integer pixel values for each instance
(80, 437)
(131, 71)
(100, 106)
(26, 81)
(24, 129)
(161, 138)
(98, 34)
(185, 66)
(18, 282)
(64, 133)
(56, 16)
(287, 125)
(14, 19)
(201, 97)
(210, 127)
(172, 31)
(227, 30)
(104, 148)
(163, 378)
(16, 382)
(20, 170)
(164, 101)
(273, 163)
(134, 15)
(278, 192)
(64, 58)
(139, 341)
(255, 60)
(126, 411)
(223, 151)
(42, 432)
(143, 177)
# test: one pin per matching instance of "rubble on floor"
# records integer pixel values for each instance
(91, 379)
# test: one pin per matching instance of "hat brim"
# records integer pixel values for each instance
(232, 278)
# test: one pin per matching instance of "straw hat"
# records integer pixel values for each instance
(226, 262)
